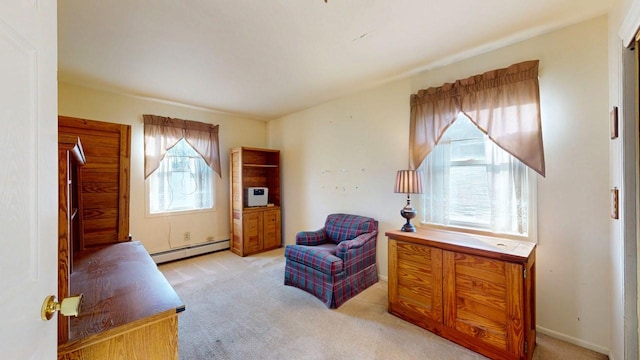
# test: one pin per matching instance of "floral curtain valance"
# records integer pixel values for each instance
(162, 133)
(503, 103)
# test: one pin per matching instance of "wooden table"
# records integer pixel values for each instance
(129, 309)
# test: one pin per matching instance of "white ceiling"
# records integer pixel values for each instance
(268, 58)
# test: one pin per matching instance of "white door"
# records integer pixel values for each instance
(28, 177)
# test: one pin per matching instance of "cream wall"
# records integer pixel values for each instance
(343, 155)
(165, 232)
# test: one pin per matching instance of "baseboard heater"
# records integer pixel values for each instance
(189, 251)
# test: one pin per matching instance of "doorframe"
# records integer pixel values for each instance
(630, 200)
(630, 158)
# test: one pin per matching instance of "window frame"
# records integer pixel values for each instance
(147, 196)
(473, 228)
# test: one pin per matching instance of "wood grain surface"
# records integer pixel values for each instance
(469, 289)
(128, 303)
(105, 179)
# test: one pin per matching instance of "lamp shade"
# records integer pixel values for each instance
(409, 182)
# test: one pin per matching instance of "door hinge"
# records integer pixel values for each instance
(526, 348)
(524, 273)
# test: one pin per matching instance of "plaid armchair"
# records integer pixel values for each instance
(336, 262)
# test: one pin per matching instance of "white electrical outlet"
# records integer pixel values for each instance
(187, 236)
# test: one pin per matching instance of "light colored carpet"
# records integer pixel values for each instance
(238, 308)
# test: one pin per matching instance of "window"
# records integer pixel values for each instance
(180, 157)
(182, 182)
(471, 183)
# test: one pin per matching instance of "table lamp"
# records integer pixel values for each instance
(408, 182)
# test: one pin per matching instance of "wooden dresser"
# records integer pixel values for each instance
(474, 290)
(130, 311)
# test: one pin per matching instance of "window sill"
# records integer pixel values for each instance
(470, 231)
(180, 213)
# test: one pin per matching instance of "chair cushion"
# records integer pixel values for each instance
(340, 227)
(321, 257)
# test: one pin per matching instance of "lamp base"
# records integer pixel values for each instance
(408, 227)
(408, 212)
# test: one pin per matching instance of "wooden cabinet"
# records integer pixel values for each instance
(105, 180)
(261, 231)
(415, 289)
(474, 290)
(254, 229)
(70, 159)
(272, 229)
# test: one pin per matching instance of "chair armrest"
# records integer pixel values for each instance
(358, 252)
(311, 238)
(355, 243)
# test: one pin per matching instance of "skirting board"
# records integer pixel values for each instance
(189, 251)
(574, 341)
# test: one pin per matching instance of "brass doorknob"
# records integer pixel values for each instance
(68, 306)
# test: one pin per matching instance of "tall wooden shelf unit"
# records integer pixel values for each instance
(254, 229)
